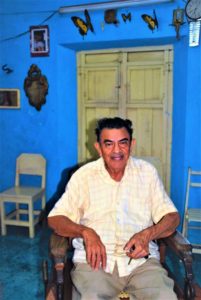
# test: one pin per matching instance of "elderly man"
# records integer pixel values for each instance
(114, 208)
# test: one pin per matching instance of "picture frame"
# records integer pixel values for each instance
(39, 40)
(9, 98)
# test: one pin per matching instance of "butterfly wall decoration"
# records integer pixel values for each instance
(151, 21)
(83, 25)
(126, 17)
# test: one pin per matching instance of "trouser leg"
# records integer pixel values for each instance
(150, 282)
(147, 282)
(95, 285)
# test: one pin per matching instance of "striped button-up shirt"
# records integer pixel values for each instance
(115, 210)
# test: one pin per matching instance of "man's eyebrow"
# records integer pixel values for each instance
(108, 141)
(111, 141)
(122, 140)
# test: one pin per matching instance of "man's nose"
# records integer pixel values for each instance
(116, 147)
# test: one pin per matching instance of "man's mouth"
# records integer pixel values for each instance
(117, 157)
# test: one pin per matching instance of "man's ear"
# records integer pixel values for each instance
(98, 148)
(133, 142)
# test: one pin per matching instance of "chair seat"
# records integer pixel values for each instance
(21, 193)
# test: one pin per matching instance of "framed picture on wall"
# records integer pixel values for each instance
(9, 98)
(39, 40)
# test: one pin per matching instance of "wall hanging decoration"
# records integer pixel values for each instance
(193, 15)
(193, 9)
(194, 33)
(9, 98)
(39, 40)
(151, 21)
(110, 17)
(36, 87)
(82, 25)
(6, 69)
(126, 17)
(178, 20)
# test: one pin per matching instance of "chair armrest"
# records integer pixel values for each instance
(179, 244)
(183, 249)
(59, 246)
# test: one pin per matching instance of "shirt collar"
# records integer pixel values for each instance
(106, 176)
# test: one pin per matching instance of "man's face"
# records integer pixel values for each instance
(115, 147)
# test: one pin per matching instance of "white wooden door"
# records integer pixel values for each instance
(130, 83)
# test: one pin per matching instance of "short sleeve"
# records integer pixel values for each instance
(161, 203)
(69, 204)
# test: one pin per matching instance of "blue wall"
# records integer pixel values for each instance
(53, 130)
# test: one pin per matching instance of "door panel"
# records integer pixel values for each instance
(144, 85)
(102, 85)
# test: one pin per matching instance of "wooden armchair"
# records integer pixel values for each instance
(172, 248)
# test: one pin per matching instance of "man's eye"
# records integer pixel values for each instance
(108, 144)
(123, 143)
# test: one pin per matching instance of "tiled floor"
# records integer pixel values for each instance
(21, 264)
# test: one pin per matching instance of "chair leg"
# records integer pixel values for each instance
(45, 275)
(185, 226)
(31, 220)
(3, 216)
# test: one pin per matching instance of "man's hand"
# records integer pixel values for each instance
(140, 241)
(95, 250)
(138, 245)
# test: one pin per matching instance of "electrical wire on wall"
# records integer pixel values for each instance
(27, 31)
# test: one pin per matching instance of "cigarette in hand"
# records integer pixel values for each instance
(131, 250)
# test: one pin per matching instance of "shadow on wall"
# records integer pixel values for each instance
(65, 176)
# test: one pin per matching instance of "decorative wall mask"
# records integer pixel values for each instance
(36, 87)
(151, 21)
(83, 26)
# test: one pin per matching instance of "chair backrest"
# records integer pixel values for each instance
(31, 164)
(194, 180)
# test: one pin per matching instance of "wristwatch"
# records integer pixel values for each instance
(193, 9)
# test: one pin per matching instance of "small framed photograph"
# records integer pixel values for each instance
(39, 40)
(9, 98)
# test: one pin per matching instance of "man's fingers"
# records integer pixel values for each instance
(89, 254)
(98, 261)
(103, 257)
(93, 260)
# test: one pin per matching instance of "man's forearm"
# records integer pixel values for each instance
(165, 227)
(140, 241)
(65, 227)
(95, 249)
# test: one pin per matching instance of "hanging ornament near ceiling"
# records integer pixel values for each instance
(151, 21)
(110, 17)
(83, 25)
(126, 17)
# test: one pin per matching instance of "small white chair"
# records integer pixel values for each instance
(24, 197)
(192, 214)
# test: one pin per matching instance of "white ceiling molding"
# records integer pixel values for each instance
(108, 5)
